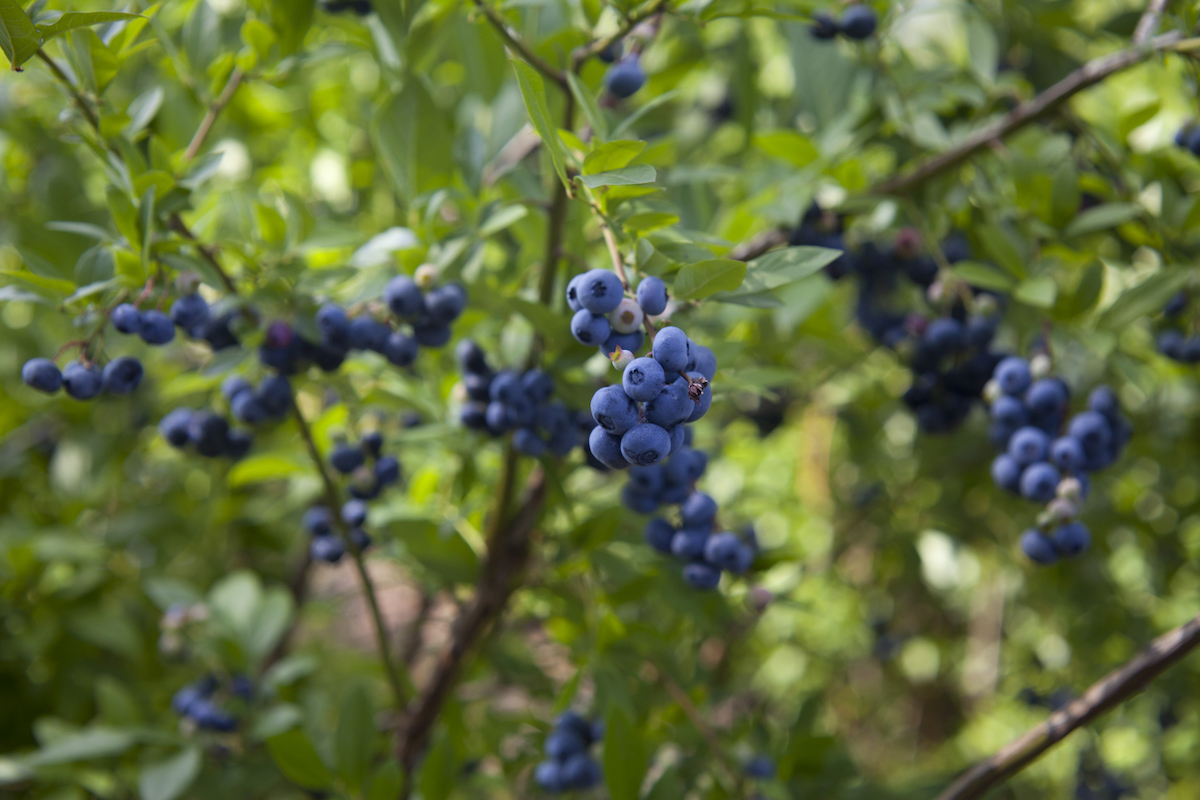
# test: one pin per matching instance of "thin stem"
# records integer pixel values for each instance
(513, 40)
(582, 54)
(332, 499)
(177, 224)
(697, 719)
(1118, 686)
(88, 113)
(610, 239)
(210, 116)
(1149, 21)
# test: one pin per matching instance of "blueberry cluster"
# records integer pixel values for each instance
(706, 553)
(370, 472)
(605, 317)
(857, 22)
(1047, 458)
(326, 544)
(83, 379)
(520, 402)
(190, 312)
(205, 433)
(1173, 341)
(568, 765)
(195, 702)
(625, 77)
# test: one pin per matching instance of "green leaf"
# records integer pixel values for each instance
(650, 105)
(587, 102)
(1040, 292)
(386, 782)
(83, 746)
(81, 19)
(612, 155)
(299, 761)
(639, 225)
(502, 218)
(438, 770)
(1102, 218)
(984, 276)
(629, 176)
(142, 110)
(123, 214)
(1148, 297)
(265, 467)
(1001, 246)
(625, 757)
(145, 223)
(275, 720)
(788, 145)
(166, 780)
(705, 278)
(19, 39)
(1064, 194)
(533, 91)
(355, 740)
(291, 20)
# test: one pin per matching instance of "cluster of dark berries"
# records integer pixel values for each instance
(1188, 137)
(82, 379)
(857, 22)
(190, 312)
(605, 317)
(1172, 340)
(370, 472)
(196, 702)
(499, 402)
(1047, 458)
(205, 433)
(568, 765)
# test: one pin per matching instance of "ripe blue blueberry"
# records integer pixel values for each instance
(333, 325)
(589, 328)
(506, 388)
(652, 296)
(538, 385)
(42, 374)
(126, 318)
(209, 717)
(372, 443)
(581, 771)
(246, 407)
(645, 444)
(638, 502)
(699, 510)
(1092, 430)
(600, 291)
(403, 297)
(444, 304)
(1171, 344)
(701, 576)
(238, 444)
(527, 442)
(437, 335)
(760, 767)
(354, 513)
(671, 349)
(499, 418)
(647, 480)
(562, 744)
(703, 361)
(233, 385)
(189, 311)
(327, 548)
(824, 27)
(1046, 397)
(1038, 548)
(625, 77)
(174, 426)
(643, 379)
(1013, 375)
(275, 394)
(700, 408)
(1071, 539)
(157, 328)
(626, 341)
(365, 333)
(346, 458)
(387, 470)
(944, 336)
(688, 543)
(1103, 400)
(474, 416)
(400, 349)
(548, 775)
(1039, 482)
(122, 375)
(1008, 410)
(470, 357)
(678, 434)
(360, 538)
(1006, 473)
(606, 447)
(1028, 445)
(723, 551)
(81, 381)
(209, 434)
(659, 534)
(573, 300)
(858, 22)
(1067, 454)
(317, 521)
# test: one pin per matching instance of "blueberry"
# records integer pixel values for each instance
(174, 426)
(157, 328)
(607, 448)
(238, 444)
(246, 407)
(548, 775)
(474, 416)
(333, 325)
(399, 349)
(699, 511)
(1028, 445)
(185, 699)
(126, 318)
(346, 458)
(42, 374)
(1039, 482)
(671, 349)
(652, 296)
(625, 77)
(824, 26)
(1191, 350)
(360, 539)
(981, 331)
(1067, 454)
(216, 331)
(659, 534)
(1008, 410)
(317, 521)
(1103, 400)
(122, 375)
(81, 381)
(562, 744)
(643, 379)
(470, 357)
(760, 767)
(645, 444)
(1170, 344)
(589, 328)
(701, 408)
(688, 543)
(538, 385)
(354, 513)
(647, 480)
(573, 722)
(945, 336)
(444, 304)
(189, 311)
(372, 443)
(678, 435)
(403, 297)
(581, 771)
(364, 333)
(563, 442)
(1037, 548)
(275, 394)
(506, 388)
(703, 361)
(498, 417)
(638, 502)
(478, 386)
(626, 341)
(209, 434)
(1071, 539)
(701, 576)
(1006, 473)
(723, 551)
(527, 442)
(1046, 397)
(328, 357)
(600, 291)
(1092, 430)
(1013, 375)
(1176, 305)
(858, 22)
(573, 300)
(234, 385)
(387, 470)
(327, 548)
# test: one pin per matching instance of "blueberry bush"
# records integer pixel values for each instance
(642, 399)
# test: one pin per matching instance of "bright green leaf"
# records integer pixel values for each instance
(77, 19)
(696, 281)
(533, 91)
(1102, 218)
(19, 39)
(629, 176)
(612, 155)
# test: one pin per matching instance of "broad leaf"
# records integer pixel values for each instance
(612, 155)
(533, 91)
(625, 756)
(629, 176)
(1102, 218)
(80, 19)
(355, 737)
(299, 761)
(1148, 297)
(19, 39)
(696, 281)
(167, 780)
(591, 109)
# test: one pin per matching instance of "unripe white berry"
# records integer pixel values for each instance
(1070, 489)
(426, 276)
(627, 317)
(1039, 366)
(936, 291)
(991, 391)
(620, 357)
(1062, 509)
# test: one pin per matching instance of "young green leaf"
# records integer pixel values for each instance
(19, 39)
(80, 19)
(699, 280)
(533, 91)
(629, 176)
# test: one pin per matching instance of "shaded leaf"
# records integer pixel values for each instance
(1101, 218)
(299, 761)
(355, 739)
(629, 176)
(625, 756)
(168, 779)
(1148, 297)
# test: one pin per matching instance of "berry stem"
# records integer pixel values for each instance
(214, 110)
(513, 40)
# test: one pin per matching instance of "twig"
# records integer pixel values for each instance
(582, 54)
(210, 116)
(1085, 77)
(610, 239)
(397, 682)
(177, 224)
(752, 249)
(1149, 21)
(88, 113)
(415, 638)
(1103, 695)
(517, 43)
(697, 719)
